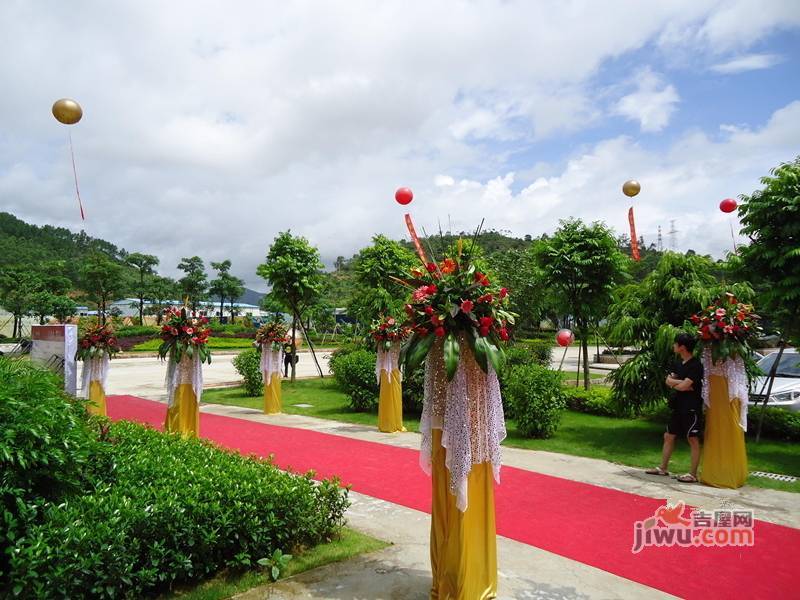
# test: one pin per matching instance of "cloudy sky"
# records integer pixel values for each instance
(209, 127)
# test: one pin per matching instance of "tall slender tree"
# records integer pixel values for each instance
(145, 268)
(102, 281)
(293, 269)
(582, 265)
(195, 283)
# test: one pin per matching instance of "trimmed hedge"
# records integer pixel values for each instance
(778, 423)
(136, 330)
(355, 374)
(248, 364)
(136, 511)
(536, 398)
(594, 401)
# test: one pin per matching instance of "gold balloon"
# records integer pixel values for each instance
(67, 111)
(631, 188)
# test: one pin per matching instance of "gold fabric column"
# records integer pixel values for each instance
(390, 402)
(272, 395)
(97, 399)
(724, 451)
(184, 415)
(463, 544)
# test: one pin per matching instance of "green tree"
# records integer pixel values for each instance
(160, 290)
(195, 283)
(293, 269)
(581, 265)
(518, 270)
(145, 268)
(17, 287)
(771, 219)
(102, 280)
(63, 307)
(375, 292)
(219, 287)
(649, 314)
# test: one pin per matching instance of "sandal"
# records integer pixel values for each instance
(688, 478)
(657, 471)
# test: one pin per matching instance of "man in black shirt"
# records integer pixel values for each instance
(686, 406)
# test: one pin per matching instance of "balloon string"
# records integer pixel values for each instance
(75, 174)
(733, 238)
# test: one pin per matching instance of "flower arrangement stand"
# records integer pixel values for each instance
(95, 371)
(725, 394)
(462, 427)
(271, 361)
(184, 387)
(390, 401)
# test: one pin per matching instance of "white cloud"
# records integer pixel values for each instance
(748, 62)
(652, 104)
(208, 131)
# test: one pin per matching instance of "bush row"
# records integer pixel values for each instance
(134, 511)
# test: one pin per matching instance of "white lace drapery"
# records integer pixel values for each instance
(270, 363)
(733, 370)
(190, 370)
(388, 360)
(94, 369)
(469, 411)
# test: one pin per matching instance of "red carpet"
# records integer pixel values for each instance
(586, 523)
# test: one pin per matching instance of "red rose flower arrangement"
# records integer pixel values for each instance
(726, 327)
(184, 334)
(96, 341)
(454, 300)
(387, 331)
(272, 334)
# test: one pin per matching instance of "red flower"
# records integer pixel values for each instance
(173, 330)
(503, 292)
(486, 322)
(695, 319)
(439, 331)
(420, 293)
(481, 279)
(448, 266)
(409, 310)
(428, 310)
(189, 330)
(431, 267)
(488, 298)
(466, 306)
(484, 331)
(422, 331)
(435, 320)
(504, 334)
(390, 321)
(432, 289)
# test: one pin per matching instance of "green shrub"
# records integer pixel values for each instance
(341, 351)
(248, 364)
(355, 374)
(536, 398)
(778, 423)
(201, 509)
(216, 327)
(594, 401)
(136, 330)
(542, 351)
(521, 353)
(413, 391)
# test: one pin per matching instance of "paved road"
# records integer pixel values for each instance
(144, 377)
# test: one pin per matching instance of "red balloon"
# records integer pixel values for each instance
(565, 337)
(728, 205)
(404, 195)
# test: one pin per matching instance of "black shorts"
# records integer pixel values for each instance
(685, 423)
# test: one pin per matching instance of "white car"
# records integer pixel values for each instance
(786, 387)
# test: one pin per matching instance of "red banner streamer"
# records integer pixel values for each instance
(634, 240)
(75, 174)
(415, 239)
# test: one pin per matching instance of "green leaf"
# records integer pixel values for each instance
(275, 573)
(419, 352)
(496, 357)
(481, 352)
(451, 355)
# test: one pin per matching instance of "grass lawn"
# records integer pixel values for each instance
(214, 343)
(634, 442)
(349, 544)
